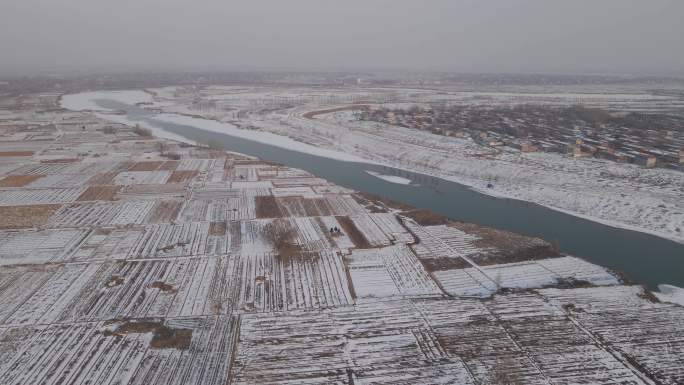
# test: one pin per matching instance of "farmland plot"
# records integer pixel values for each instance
(39, 196)
(18, 217)
(107, 244)
(100, 213)
(124, 352)
(374, 235)
(648, 337)
(60, 181)
(153, 191)
(172, 287)
(441, 241)
(202, 210)
(522, 275)
(389, 271)
(384, 342)
(142, 177)
(19, 247)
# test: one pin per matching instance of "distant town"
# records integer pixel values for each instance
(650, 140)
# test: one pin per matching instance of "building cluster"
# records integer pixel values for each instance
(650, 140)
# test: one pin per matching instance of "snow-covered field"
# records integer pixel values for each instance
(170, 264)
(627, 196)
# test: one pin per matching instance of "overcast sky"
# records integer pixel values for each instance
(458, 35)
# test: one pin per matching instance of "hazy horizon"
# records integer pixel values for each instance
(513, 36)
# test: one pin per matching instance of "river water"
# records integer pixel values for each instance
(644, 258)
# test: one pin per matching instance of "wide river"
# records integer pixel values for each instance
(644, 258)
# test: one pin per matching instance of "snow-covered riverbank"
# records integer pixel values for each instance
(620, 195)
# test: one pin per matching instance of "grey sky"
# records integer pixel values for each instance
(459, 35)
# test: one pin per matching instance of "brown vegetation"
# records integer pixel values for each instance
(312, 114)
(18, 217)
(114, 280)
(60, 160)
(267, 207)
(648, 296)
(165, 211)
(151, 165)
(182, 176)
(99, 193)
(16, 153)
(282, 239)
(353, 233)
(426, 217)
(504, 246)
(444, 263)
(18, 180)
(217, 228)
(142, 131)
(168, 338)
(162, 286)
(169, 165)
(103, 178)
(163, 336)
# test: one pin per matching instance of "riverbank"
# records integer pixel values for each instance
(622, 196)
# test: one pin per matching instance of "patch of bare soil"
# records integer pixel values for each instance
(322, 206)
(21, 217)
(99, 193)
(350, 281)
(425, 217)
(168, 338)
(18, 180)
(163, 286)
(648, 296)
(146, 166)
(169, 165)
(498, 246)
(165, 211)
(353, 233)
(170, 247)
(282, 238)
(15, 153)
(114, 280)
(310, 208)
(444, 263)
(267, 207)
(502, 246)
(217, 228)
(105, 178)
(182, 176)
(163, 336)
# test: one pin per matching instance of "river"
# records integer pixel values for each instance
(643, 258)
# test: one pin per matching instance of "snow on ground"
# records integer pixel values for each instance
(125, 280)
(86, 100)
(258, 136)
(390, 178)
(670, 293)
